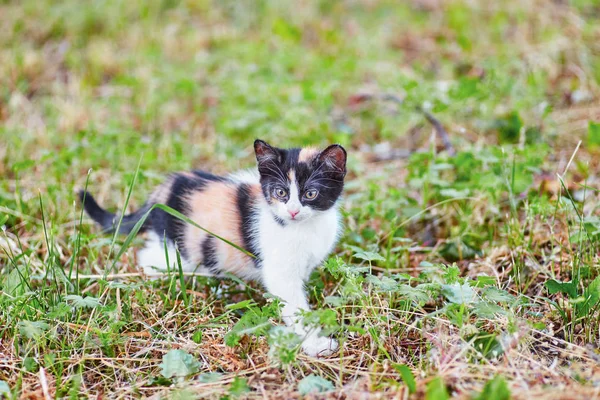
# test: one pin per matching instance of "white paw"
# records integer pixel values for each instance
(316, 346)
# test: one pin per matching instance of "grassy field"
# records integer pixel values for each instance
(470, 270)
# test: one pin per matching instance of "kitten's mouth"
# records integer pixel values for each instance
(297, 218)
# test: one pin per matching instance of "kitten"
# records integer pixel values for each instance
(285, 213)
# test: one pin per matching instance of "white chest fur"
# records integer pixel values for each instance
(298, 247)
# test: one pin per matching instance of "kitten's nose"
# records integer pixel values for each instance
(293, 213)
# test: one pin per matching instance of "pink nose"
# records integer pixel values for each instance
(293, 213)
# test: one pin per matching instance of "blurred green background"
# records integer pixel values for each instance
(192, 83)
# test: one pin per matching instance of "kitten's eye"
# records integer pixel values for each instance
(311, 194)
(281, 193)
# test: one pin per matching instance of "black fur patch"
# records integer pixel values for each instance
(208, 176)
(110, 221)
(248, 214)
(279, 220)
(209, 254)
(290, 159)
(317, 175)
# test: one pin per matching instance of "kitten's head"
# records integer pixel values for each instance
(300, 183)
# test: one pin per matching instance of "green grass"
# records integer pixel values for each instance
(472, 275)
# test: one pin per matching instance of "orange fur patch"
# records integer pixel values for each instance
(215, 209)
(307, 154)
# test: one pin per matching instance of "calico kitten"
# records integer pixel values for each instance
(285, 213)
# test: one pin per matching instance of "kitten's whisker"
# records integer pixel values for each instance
(277, 172)
(329, 179)
(316, 171)
(318, 182)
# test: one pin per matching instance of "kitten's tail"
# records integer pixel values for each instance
(109, 221)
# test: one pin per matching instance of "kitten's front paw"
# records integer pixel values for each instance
(316, 346)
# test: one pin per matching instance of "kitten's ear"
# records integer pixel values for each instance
(334, 157)
(265, 152)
